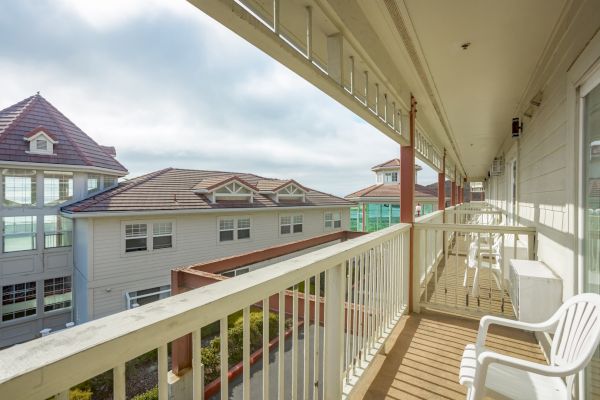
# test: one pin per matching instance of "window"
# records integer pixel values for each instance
(290, 224)
(390, 177)
(234, 229)
(162, 235)
(140, 297)
(109, 181)
(41, 144)
(236, 272)
(19, 187)
(93, 184)
(58, 231)
(226, 231)
(19, 233)
(243, 228)
(58, 187)
(57, 293)
(18, 301)
(333, 220)
(136, 237)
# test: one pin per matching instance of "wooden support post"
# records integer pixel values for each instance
(453, 194)
(335, 57)
(181, 350)
(407, 191)
(442, 184)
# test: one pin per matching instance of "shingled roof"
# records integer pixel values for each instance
(174, 189)
(74, 147)
(388, 191)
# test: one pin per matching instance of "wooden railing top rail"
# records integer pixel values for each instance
(46, 366)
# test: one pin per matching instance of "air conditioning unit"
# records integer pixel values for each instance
(498, 166)
(535, 292)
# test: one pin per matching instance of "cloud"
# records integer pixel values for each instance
(168, 86)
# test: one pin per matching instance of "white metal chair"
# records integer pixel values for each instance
(576, 328)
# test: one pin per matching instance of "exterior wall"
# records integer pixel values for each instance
(111, 272)
(547, 156)
(39, 264)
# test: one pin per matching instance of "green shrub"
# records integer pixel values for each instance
(151, 394)
(80, 394)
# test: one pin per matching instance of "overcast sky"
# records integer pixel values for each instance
(168, 86)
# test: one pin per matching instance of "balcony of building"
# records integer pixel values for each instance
(385, 314)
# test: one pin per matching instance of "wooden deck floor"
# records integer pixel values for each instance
(445, 286)
(423, 357)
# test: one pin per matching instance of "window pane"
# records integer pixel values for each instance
(243, 233)
(286, 220)
(225, 224)
(285, 229)
(328, 224)
(109, 181)
(297, 219)
(297, 228)
(328, 216)
(18, 301)
(58, 187)
(19, 187)
(162, 228)
(337, 224)
(135, 245)
(225, 236)
(41, 144)
(243, 223)
(162, 242)
(136, 230)
(57, 293)
(57, 231)
(19, 233)
(93, 183)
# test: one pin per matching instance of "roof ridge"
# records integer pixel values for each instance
(328, 194)
(220, 172)
(23, 112)
(128, 185)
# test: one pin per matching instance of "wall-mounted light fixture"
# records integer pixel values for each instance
(517, 127)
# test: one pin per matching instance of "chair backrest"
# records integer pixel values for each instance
(472, 254)
(577, 332)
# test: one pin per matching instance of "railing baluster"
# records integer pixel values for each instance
(306, 340)
(317, 338)
(361, 313)
(119, 382)
(295, 342)
(281, 348)
(355, 306)
(334, 326)
(224, 354)
(163, 370)
(348, 316)
(265, 349)
(246, 353)
(197, 366)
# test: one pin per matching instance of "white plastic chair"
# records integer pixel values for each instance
(576, 327)
(490, 259)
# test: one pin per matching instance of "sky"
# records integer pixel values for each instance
(170, 87)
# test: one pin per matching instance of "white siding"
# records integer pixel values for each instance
(112, 272)
(547, 164)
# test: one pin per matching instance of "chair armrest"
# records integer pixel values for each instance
(488, 320)
(489, 357)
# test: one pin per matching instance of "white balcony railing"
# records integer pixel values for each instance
(366, 289)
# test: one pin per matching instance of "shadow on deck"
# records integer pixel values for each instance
(422, 357)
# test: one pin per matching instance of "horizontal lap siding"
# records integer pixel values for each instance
(115, 273)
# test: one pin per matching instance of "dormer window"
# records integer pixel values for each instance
(233, 191)
(292, 192)
(387, 177)
(40, 142)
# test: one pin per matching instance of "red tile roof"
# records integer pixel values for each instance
(388, 190)
(388, 164)
(74, 146)
(173, 189)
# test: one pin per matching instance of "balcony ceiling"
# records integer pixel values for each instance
(478, 90)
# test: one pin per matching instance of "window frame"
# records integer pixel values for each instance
(333, 221)
(235, 229)
(26, 289)
(149, 236)
(33, 189)
(292, 224)
(98, 188)
(154, 234)
(57, 232)
(146, 236)
(160, 292)
(32, 235)
(70, 292)
(70, 187)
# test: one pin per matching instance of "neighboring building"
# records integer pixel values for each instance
(46, 162)
(128, 239)
(379, 204)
